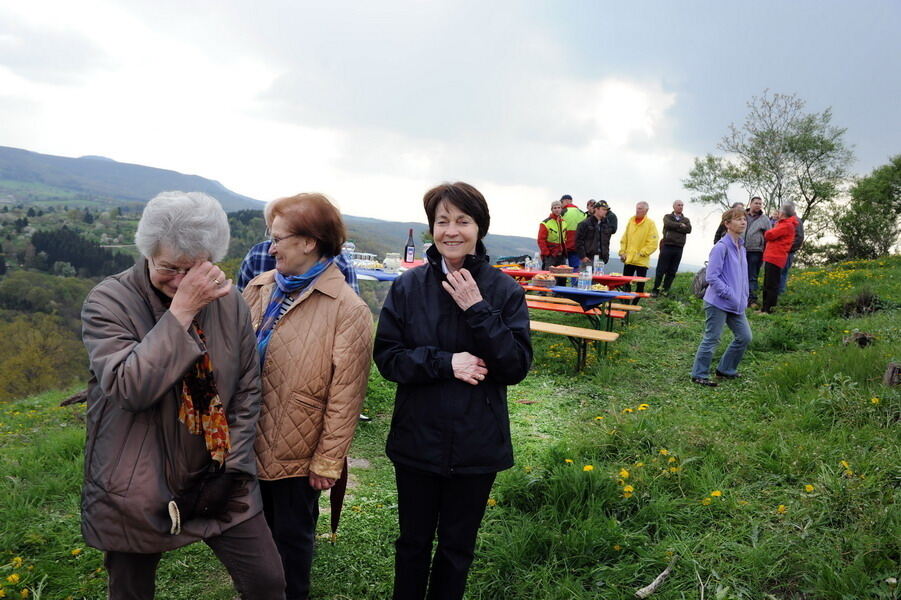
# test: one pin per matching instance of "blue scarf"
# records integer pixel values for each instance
(283, 287)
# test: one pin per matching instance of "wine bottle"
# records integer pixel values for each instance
(409, 249)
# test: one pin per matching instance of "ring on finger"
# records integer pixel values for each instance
(216, 281)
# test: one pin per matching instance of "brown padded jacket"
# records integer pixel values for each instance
(314, 376)
(138, 456)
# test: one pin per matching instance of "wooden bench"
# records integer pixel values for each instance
(577, 336)
(564, 305)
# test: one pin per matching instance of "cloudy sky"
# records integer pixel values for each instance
(374, 102)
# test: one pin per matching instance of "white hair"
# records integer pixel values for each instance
(191, 224)
(642, 203)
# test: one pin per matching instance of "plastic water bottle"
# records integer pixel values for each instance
(536, 261)
(585, 278)
(598, 265)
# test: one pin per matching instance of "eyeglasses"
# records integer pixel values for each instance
(275, 241)
(168, 271)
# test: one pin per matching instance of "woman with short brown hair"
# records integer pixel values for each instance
(314, 337)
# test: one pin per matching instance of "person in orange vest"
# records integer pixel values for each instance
(572, 216)
(552, 238)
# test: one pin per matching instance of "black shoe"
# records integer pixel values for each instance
(654, 293)
(704, 381)
(724, 376)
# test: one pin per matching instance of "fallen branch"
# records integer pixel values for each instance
(81, 396)
(652, 587)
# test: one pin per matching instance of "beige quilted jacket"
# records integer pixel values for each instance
(314, 377)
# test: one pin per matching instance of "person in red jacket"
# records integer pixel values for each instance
(552, 238)
(775, 254)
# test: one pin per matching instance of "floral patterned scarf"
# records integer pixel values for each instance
(201, 407)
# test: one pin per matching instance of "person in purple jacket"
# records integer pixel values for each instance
(725, 302)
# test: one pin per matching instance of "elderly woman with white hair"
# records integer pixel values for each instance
(172, 409)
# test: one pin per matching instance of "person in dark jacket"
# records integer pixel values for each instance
(594, 233)
(675, 227)
(172, 408)
(453, 334)
(758, 224)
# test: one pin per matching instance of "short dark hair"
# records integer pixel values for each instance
(464, 197)
(311, 215)
(753, 198)
(565, 197)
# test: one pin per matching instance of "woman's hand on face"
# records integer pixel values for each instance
(462, 288)
(203, 283)
(321, 483)
(469, 368)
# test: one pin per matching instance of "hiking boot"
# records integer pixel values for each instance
(727, 376)
(704, 381)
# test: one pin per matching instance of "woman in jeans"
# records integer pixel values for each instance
(725, 302)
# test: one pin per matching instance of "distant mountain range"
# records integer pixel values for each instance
(92, 180)
(99, 182)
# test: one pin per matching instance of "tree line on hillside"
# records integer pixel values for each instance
(784, 154)
(86, 258)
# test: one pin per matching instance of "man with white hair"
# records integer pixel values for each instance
(675, 227)
(637, 245)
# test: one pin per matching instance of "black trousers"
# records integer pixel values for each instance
(291, 507)
(771, 276)
(667, 266)
(634, 271)
(454, 506)
(246, 550)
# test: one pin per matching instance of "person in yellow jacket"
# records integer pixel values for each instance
(637, 245)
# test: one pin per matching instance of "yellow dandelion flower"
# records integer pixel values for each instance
(492, 502)
(848, 473)
(664, 451)
(14, 578)
(716, 494)
(675, 469)
(617, 547)
(808, 488)
(17, 562)
(874, 400)
(844, 464)
(628, 488)
(75, 551)
(2, 593)
(624, 474)
(24, 593)
(628, 410)
(643, 406)
(599, 418)
(782, 509)
(639, 464)
(588, 468)
(706, 501)
(627, 495)
(568, 461)
(671, 459)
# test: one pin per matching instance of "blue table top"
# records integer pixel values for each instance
(375, 274)
(588, 298)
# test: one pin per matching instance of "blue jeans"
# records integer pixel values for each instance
(783, 279)
(713, 329)
(573, 260)
(755, 261)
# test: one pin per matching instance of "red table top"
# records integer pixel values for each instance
(611, 281)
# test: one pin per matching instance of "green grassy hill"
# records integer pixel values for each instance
(781, 485)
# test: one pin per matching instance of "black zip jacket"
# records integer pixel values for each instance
(441, 424)
(593, 238)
